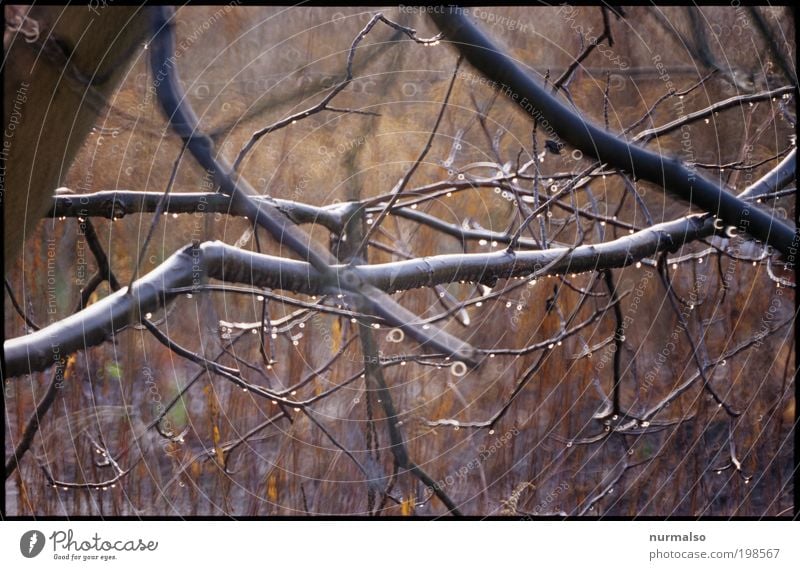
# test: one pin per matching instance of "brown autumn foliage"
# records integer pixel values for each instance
(548, 454)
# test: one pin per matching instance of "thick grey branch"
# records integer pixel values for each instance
(193, 265)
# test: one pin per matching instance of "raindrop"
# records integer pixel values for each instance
(302, 325)
(569, 444)
(479, 304)
(645, 424)
(491, 432)
(482, 242)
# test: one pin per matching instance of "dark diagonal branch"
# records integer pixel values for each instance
(668, 173)
(184, 122)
